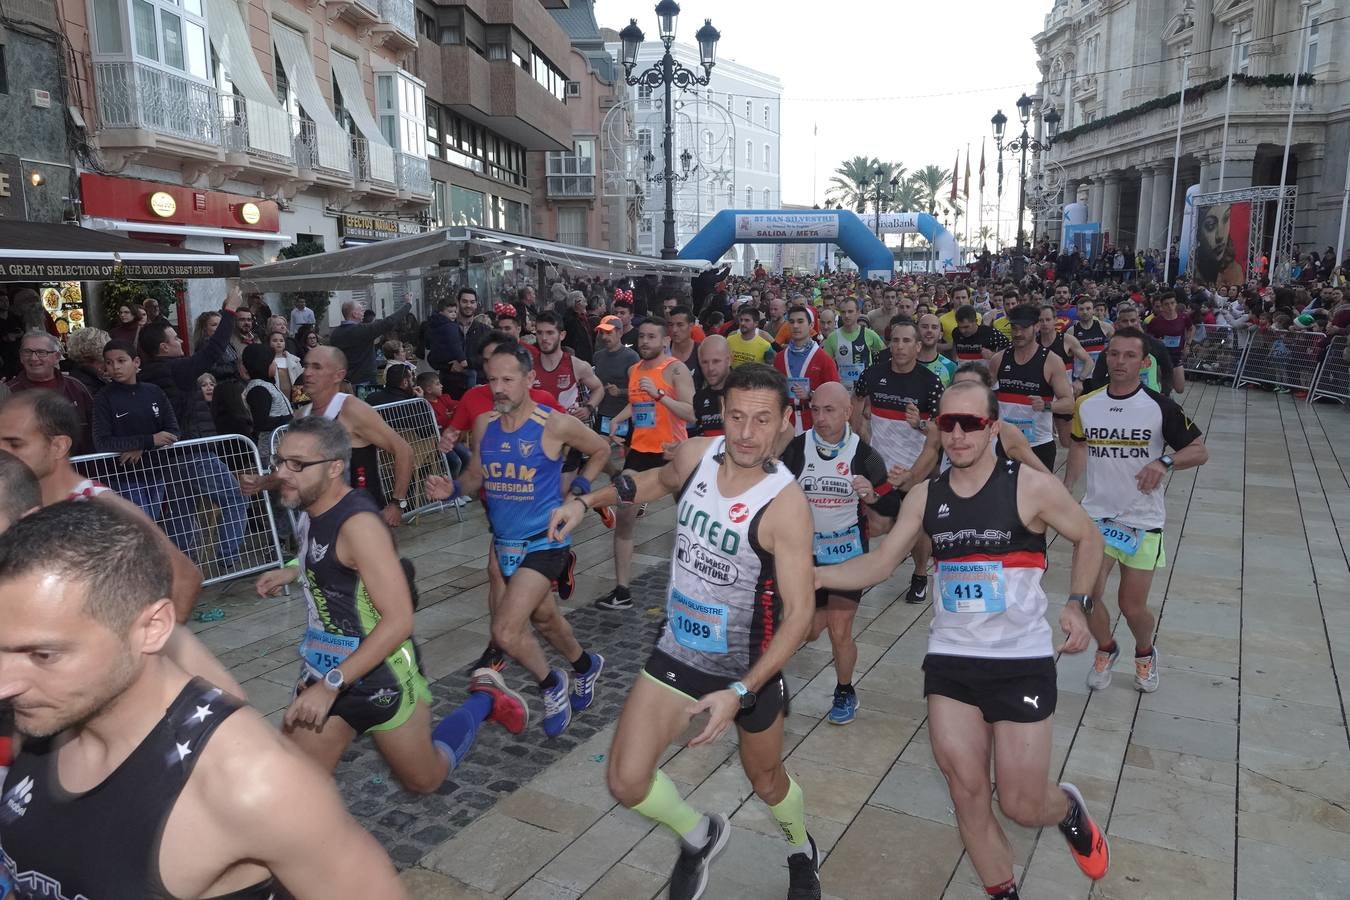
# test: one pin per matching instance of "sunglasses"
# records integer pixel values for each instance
(948, 421)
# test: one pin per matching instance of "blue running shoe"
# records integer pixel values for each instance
(845, 707)
(583, 686)
(557, 709)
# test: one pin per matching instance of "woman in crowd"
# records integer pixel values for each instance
(84, 350)
(125, 329)
(269, 407)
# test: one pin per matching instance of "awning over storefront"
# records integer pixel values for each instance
(400, 259)
(35, 251)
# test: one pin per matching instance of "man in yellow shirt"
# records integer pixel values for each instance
(749, 344)
(960, 298)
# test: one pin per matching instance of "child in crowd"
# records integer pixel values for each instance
(443, 406)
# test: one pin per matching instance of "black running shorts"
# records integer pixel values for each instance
(695, 684)
(637, 461)
(888, 504)
(550, 563)
(1004, 690)
(823, 596)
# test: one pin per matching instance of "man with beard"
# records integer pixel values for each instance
(930, 334)
(1032, 384)
(564, 377)
(853, 345)
(129, 779)
(518, 461)
(360, 672)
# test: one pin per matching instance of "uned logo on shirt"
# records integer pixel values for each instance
(738, 513)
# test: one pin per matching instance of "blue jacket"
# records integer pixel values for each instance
(445, 342)
(127, 417)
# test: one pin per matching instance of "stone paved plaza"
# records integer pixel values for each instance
(1233, 780)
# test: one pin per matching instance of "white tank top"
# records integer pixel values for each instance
(828, 486)
(723, 607)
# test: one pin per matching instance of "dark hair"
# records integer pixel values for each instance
(466, 290)
(991, 400)
(979, 368)
(758, 377)
(549, 318)
(257, 358)
(19, 488)
(53, 413)
(966, 313)
(800, 309)
(427, 379)
(124, 346)
(152, 336)
(517, 350)
(659, 323)
(680, 311)
(120, 562)
(1131, 332)
(398, 376)
(901, 320)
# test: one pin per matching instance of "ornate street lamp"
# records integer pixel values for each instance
(1020, 145)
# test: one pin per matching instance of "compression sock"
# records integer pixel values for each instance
(791, 814)
(664, 804)
(1005, 891)
(455, 733)
(582, 664)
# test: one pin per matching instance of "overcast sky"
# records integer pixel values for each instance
(903, 80)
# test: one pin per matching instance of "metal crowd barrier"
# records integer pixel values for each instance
(415, 422)
(1282, 358)
(1333, 378)
(191, 490)
(1218, 356)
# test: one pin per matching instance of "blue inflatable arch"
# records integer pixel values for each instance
(776, 226)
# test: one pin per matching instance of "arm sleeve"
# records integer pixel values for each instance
(1178, 430)
(459, 420)
(105, 441)
(934, 397)
(826, 370)
(874, 340)
(861, 387)
(997, 341)
(831, 344)
(259, 403)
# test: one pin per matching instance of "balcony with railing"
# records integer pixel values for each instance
(361, 13)
(263, 133)
(324, 150)
(373, 164)
(414, 175)
(141, 98)
(399, 25)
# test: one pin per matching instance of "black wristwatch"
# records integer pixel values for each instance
(1167, 460)
(1084, 601)
(748, 697)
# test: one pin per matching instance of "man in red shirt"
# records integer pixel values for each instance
(805, 366)
(40, 354)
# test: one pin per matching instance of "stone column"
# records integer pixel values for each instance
(1070, 191)
(1262, 48)
(1111, 207)
(1237, 173)
(1162, 186)
(1094, 202)
(1201, 64)
(1209, 171)
(1143, 222)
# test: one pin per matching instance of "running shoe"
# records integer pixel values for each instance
(804, 873)
(845, 707)
(1099, 676)
(492, 658)
(690, 877)
(1087, 843)
(606, 514)
(1146, 672)
(568, 582)
(615, 600)
(642, 511)
(508, 707)
(918, 589)
(583, 686)
(557, 707)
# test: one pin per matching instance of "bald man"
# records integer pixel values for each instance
(714, 361)
(841, 476)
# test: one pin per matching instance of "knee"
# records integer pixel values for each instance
(420, 782)
(967, 792)
(505, 632)
(1022, 808)
(841, 629)
(627, 785)
(766, 783)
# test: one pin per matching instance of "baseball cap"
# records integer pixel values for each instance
(609, 323)
(1024, 315)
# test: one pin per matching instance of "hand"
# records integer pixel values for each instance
(646, 384)
(614, 437)
(449, 438)
(164, 438)
(270, 583)
(1037, 404)
(582, 412)
(1075, 628)
(801, 391)
(565, 518)
(668, 449)
(612, 390)
(722, 707)
(459, 365)
(1150, 476)
(862, 487)
(438, 487)
(250, 485)
(234, 297)
(392, 515)
(912, 415)
(897, 475)
(310, 708)
(130, 457)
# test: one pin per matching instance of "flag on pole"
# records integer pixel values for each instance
(956, 169)
(965, 189)
(981, 165)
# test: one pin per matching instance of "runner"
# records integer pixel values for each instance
(1156, 370)
(612, 360)
(989, 675)
(715, 362)
(1092, 331)
(804, 366)
(1065, 312)
(517, 460)
(739, 606)
(853, 346)
(839, 473)
(564, 377)
(137, 779)
(960, 297)
(899, 397)
(930, 335)
(1032, 384)
(748, 344)
(660, 407)
(1175, 331)
(1120, 434)
(684, 342)
(973, 340)
(1010, 442)
(1077, 362)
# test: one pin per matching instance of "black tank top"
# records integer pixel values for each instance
(364, 473)
(104, 844)
(1093, 339)
(1057, 347)
(985, 526)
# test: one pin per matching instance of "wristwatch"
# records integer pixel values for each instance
(748, 697)
(660, 395)
(1084, 601)
(402, 504)
(1167, 460)
(334, 679)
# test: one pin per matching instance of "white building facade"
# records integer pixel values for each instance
(737, 152)
(1104, 63)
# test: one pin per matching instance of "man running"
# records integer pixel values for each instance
(804, 366)
(135, 778)
(739, 606)
(840, 475)
(853, 346)
(565, 377)
(899, 397)
(972, 339)
(715, 362)
(1091, 331)
(748, 344)
(930, 335)
(989, 675)
(1077, 363)
(1156, 370)
(1175, 332)
(683, 345)
(360, 672)
(518, 460)
(1120, 436)
(611, 361)
(1032, 384)
(660, 408)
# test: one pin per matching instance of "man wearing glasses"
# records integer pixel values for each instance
(989, 675)
(40, 354)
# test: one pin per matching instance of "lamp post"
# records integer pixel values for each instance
(1020, 145)
(667, 73)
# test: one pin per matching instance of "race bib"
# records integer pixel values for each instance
(1122, 537)
(644, 414)
(696, 624)
(795, 383)
(972, 587)
(850, 372)
(323, 651)
(1026, 426)
(837, 546)
(605, 426)
(509, 555)
(1172, 341)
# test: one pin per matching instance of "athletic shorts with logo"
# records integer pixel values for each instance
(1004, 690)
(367, 708)
(695, 684)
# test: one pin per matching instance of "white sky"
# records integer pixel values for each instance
(867, 72)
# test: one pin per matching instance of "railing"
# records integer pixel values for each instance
(131, 95)
(1333, 379)
(321, 147)
(414, 174)
(257, 129)
(373, 162)
(399, 13)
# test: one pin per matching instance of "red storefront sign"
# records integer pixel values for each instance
(149, 201)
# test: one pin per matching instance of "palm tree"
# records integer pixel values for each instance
(850, 182)
(907, 198)
(931, 180)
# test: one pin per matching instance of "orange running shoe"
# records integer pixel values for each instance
(606, 514)
(1087, 843)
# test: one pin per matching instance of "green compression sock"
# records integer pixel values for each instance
(791, 814)
(663, 804)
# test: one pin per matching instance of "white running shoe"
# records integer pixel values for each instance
(1099, 676)
(1146, 672)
